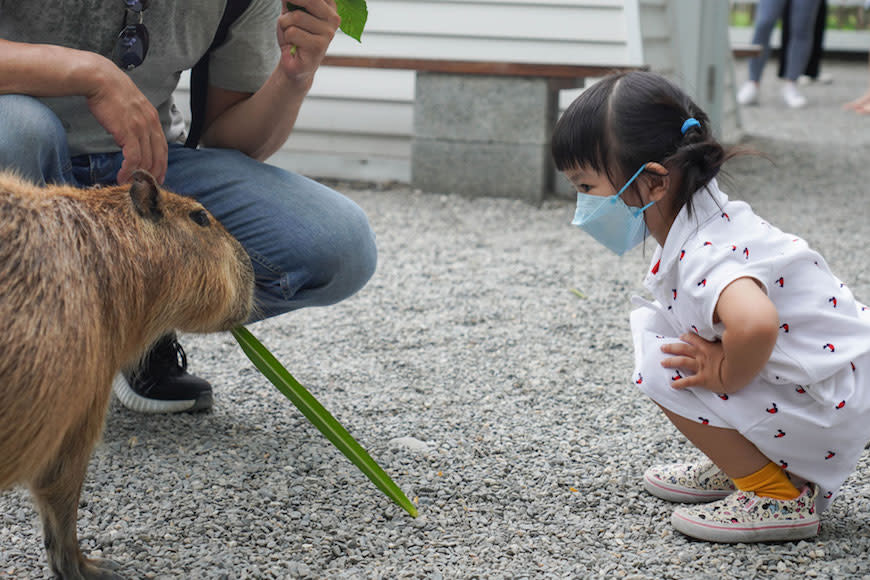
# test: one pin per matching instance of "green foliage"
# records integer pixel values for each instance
(354, 14)
(319, 416)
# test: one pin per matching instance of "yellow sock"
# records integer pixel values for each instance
(769, 481)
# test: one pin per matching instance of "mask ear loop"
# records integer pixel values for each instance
(633, 177)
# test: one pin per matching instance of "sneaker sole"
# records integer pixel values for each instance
(135, 402)
(765, 532)
(680, 494)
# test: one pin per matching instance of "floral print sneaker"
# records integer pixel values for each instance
(746, 517)
(688, 482)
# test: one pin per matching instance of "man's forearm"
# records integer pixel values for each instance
(45, 70)
(259, 125)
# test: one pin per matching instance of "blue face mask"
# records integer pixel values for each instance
(609, 220)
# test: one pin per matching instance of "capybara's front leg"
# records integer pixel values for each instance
(56, 493)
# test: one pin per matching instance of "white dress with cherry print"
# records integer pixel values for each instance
(809, 408)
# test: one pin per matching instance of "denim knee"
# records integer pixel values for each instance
(33, 141)
(334, 268)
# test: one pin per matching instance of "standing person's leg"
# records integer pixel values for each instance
(33, 141)
(813, 65)
(766, 14)
(803, 18)
(309, 245)
(785, 34)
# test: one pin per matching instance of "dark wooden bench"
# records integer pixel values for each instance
(745, 50)
(483, 128)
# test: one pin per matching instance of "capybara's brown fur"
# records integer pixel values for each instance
(88, 279)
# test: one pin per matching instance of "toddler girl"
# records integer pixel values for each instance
(752, 347)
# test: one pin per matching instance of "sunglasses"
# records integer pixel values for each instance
(132, 43)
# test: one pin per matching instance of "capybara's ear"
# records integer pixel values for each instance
(146, 195)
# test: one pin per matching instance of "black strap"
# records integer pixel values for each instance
(199, 72)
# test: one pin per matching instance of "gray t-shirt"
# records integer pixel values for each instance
(180, 31)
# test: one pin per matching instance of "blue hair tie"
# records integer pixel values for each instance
(689, 123)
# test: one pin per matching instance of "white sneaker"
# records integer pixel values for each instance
(746, 517)
(748, 93)
(688, 482)
(792, 97)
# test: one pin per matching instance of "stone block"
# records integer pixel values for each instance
(484, 108)
(519, 171)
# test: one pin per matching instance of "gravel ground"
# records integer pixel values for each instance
(497, 398)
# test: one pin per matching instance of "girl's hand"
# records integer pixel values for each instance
(304, 35)
(751, 330)
(702, 358)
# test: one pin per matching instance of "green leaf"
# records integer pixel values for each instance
(319, 416)
(354, 14)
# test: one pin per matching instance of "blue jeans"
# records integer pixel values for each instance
(802, 20)
(309, 245)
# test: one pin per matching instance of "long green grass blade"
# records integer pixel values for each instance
(319, 416)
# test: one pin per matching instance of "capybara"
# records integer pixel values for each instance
(88, 279)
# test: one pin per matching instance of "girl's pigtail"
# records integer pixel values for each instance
(699, 156)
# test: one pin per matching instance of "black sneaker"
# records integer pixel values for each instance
(161, 384)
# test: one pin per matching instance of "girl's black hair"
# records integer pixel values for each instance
(628, 119)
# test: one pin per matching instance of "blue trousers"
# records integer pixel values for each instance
(309, 245)
(802, 18)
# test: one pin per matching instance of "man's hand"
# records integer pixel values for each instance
(304, 35)
(702, 358)
(132, 121)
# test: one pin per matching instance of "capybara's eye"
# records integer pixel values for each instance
(200, 217)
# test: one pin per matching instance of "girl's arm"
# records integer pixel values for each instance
(751, 329)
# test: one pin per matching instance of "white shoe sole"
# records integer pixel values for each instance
(783, 531)
(135, 402)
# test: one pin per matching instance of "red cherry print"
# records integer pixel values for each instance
(829, 495)
(829, 347)
(639, 380)
(703, 283)
(677, 376)
(783, 464)
(695, 328)
(733, 248)
(840, 405)
(853, 366)
(800, 390)
(708, 243)
(772, 409)
(779, 434)
(829, 455)
(674, 290)
(704, 421)
(833, 301)
(780, 282)
(784, 327)
(723, 396)
(655, 269)
(725, 215)
(746, 253)
(682, 255)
